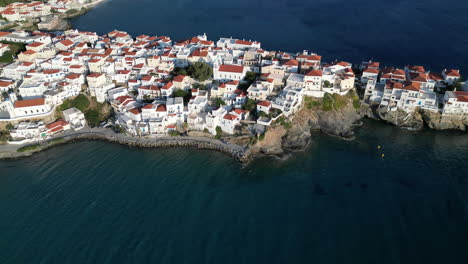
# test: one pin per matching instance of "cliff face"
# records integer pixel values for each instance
(438, 121)
(410, 121)
(417, 119)
(279, 140)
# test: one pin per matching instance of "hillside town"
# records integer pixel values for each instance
(155, 86)
(44, 14)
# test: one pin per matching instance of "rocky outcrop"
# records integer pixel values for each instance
(437, 121)
(400, 118)
(281, 140)
(418, 119)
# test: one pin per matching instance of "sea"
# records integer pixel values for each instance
(389, 196)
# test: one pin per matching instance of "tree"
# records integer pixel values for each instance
(199, 86)
(218, 102)
(200, 71)
(219, 132)
(9, 126)
(182, 93)
(249, 105)
(326, 84)
(179, 71)
(250, 77)
(179, 93)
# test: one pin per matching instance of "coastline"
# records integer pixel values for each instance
(240, 153)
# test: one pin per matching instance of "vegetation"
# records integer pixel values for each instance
(206, 130)
(199, 86)
(355, 98)
(14, 49)
(182, 93)
(218, 102)
(250, 105)
(250, 77)
(92, 117)
(261, 137)
(4, 136)
(456, 86)
(179, 71)
(28, 148)
(174, 133)
(285, 123)
(94, 112)
(311, 103)
(327, 84)
(81, 102)
(333, 102)
(200, 71)
(7, 2)
(71, 11)
(219, 132)
(9, 126)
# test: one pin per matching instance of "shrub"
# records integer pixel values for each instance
(9, 126)
(28, 148)
(200, 71)
(218, 102)
(282, 121)
(174, 133)
(219, 132)
(249, 105)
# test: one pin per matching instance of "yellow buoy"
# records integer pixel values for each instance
(378, 146)
(383, 155)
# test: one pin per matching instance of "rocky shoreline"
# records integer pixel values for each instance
(239, 153)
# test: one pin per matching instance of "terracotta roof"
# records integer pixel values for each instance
(264, 103)
(95, 75)
(231, 68)
(229, 117)
(314, 73)
(452, 73)
(161, 108)
(179, 78)
(29, 102)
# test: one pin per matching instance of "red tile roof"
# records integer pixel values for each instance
(231, 68)
(30, 102)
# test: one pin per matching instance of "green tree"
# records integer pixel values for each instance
(200, 71)
(250, 77)
(218, 102)
(179, 71)
(9, 126)
(219, 132)
(249, 105)
(326, 84)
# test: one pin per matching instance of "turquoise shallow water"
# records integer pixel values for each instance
(337, 202)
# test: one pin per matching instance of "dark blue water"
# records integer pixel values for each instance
(338, 202)
(432, 33)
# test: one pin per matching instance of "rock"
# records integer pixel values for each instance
(280, 141)
(436, 120)
(400, 118)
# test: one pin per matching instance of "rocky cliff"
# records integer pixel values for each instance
(417, 119)
(295, 135)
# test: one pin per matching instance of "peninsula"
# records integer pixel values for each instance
(230, 95)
